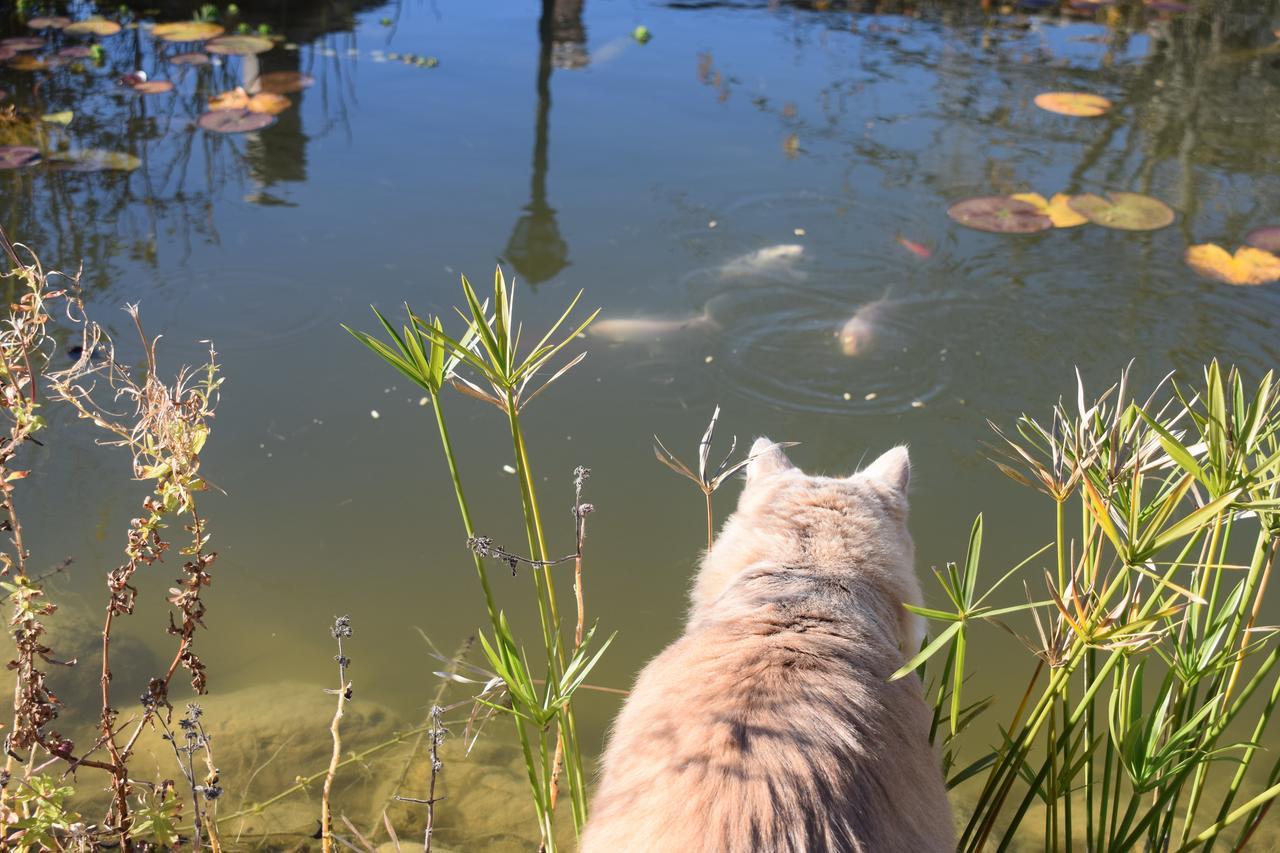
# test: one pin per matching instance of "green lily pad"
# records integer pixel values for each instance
(1124, 211)
(239, 45)
(1000, 215)
(234, 121)
(1265, 238)
(16, 156)
(93, 160)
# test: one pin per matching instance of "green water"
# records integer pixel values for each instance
(578, 158)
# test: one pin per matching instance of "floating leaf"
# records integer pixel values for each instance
(1171, 7)
(1073, 103)
(284, 82)
(1265, 238)
(19, 43)
(187, 31)
(1000, 215)
(7, 53)
(267, 103)
(93, 160)
(26, 62)
(63, 118)
(76, 51)
(1058, 208)
(239, 45)
(48, 22)
(152, 87)
(1247, 266)
(234, 121)
(16, 156)
(92, 27)
(1125, 211)
(194, 58)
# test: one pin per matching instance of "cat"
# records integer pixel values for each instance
(771, 723)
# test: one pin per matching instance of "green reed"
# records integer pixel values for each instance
(486, 362)
(1146, 647)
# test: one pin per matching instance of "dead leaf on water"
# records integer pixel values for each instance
(1267, 238)
(20, 43)
(284, 82)
(48, 22)
(239, 45)
(1123, 211)
(100, 27)
(152, 87)
(187, 31)
(26, 62)
(194, 58)
(93, 160)
(16, 156)
(1080, 104)
(267, 103)
(1058, 208)
(1248, 266)
(1000, 215)
(234, 121)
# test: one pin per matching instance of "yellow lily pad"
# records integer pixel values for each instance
(152, 87)
(63, 118)
(239, 45)
(93, 160)
(100, 27)
(187, 31)
(1248, 266)
(266, 103)
(1058, 208)
(1073, 103)
(48, 22)
(26, 62)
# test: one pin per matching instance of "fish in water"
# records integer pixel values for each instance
(775, 261)
(920, 250)
(863, 329)
(625, 330)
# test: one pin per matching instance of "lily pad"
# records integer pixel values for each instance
(92, 27)
(1170, 7)
(7, 53)
(1124, 211)
(20, 43)
(194, 58)
(93, 160)
(76, 51)
(1265, 238)
(26, 62)
(268, 103)
(239, 45)
(284, 82)
(187, 31)
(1073, 103)
(234, 121)
(1000, 215)
(48, 22)
(17, 156)
(1248, 266)
(1058, 208)
(153, 87)
(63, 118)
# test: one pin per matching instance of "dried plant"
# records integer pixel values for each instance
(341, 630)
(195, 740)
(707, 480)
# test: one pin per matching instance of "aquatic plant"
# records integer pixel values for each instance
(1148, 655)
(487, 363)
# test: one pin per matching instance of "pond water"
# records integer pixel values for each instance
(580, 158)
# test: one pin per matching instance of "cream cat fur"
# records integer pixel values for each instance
(771, 724)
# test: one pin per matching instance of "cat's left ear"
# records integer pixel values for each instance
(766, 458)
(892, 469)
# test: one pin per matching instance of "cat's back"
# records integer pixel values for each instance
(771, 725)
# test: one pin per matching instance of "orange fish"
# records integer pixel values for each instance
(920, 250)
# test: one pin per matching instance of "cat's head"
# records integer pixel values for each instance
(785, 517)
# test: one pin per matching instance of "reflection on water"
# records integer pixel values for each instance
(844, 128)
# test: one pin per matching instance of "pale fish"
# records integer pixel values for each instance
(862, 330)
(624, 330)
(771, 260)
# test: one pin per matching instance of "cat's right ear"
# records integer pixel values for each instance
(766, 459)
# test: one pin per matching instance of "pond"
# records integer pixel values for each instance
(444, 137)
